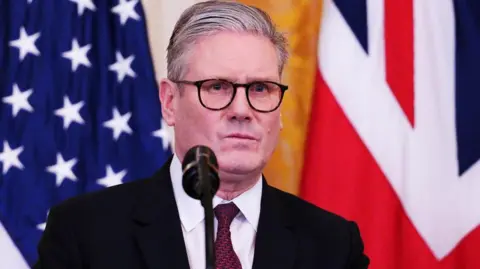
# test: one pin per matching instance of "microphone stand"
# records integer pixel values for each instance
(207, 202)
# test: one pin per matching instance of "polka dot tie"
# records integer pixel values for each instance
(226, 258)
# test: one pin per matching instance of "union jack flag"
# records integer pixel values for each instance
(79, 110)
(394, 140)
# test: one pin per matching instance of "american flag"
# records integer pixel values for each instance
(79, 110)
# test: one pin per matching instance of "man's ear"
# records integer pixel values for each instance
(167, 91)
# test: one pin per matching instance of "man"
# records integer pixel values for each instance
(223, 90)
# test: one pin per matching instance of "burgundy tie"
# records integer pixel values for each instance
(225, 255)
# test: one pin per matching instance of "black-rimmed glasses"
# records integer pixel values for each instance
(217, 94)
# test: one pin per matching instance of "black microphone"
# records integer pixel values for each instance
(200, 181)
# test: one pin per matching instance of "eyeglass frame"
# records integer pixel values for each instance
(199, 84)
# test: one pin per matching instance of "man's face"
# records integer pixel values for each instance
(239, 58)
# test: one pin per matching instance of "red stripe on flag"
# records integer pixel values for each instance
(341, 175)
(399, 53)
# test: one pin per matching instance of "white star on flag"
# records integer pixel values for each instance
(70, 112)
(63, 169)
(122, 66)
(26, 44)
(112, 178)
(163, 134)
(43, 225)
(119, 123)
(19, 100)
(82, 4)
(126, 10)
(9, 157)
(78, 55)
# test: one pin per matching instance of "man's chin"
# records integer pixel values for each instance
(240, 162)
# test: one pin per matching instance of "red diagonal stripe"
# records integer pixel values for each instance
(399, 52)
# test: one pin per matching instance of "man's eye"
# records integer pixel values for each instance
(217, 86)
(259, 87)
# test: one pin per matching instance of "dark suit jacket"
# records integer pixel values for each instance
(136, 225)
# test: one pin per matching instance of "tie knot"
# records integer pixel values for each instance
(225, 213)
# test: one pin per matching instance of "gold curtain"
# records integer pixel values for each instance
(300, 20)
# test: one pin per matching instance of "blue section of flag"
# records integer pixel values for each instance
(467, 81)
(48, 155)
(355, 14)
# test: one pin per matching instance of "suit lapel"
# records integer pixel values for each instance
(157, 226)
(275, 243)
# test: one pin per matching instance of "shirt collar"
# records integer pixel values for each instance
(191, 210)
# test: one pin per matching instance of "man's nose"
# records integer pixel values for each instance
(239, 109)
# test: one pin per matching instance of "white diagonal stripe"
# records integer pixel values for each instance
(11, 256)
(376, 37)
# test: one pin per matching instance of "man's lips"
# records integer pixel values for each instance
(241, 136)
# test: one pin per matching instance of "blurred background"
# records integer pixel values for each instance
(381, 119)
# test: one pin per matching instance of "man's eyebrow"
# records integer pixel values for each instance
(248, 79)
(225, 78)
(262, 78)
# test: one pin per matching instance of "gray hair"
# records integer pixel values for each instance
(210, 17)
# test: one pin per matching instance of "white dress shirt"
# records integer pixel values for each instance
(243, 228)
